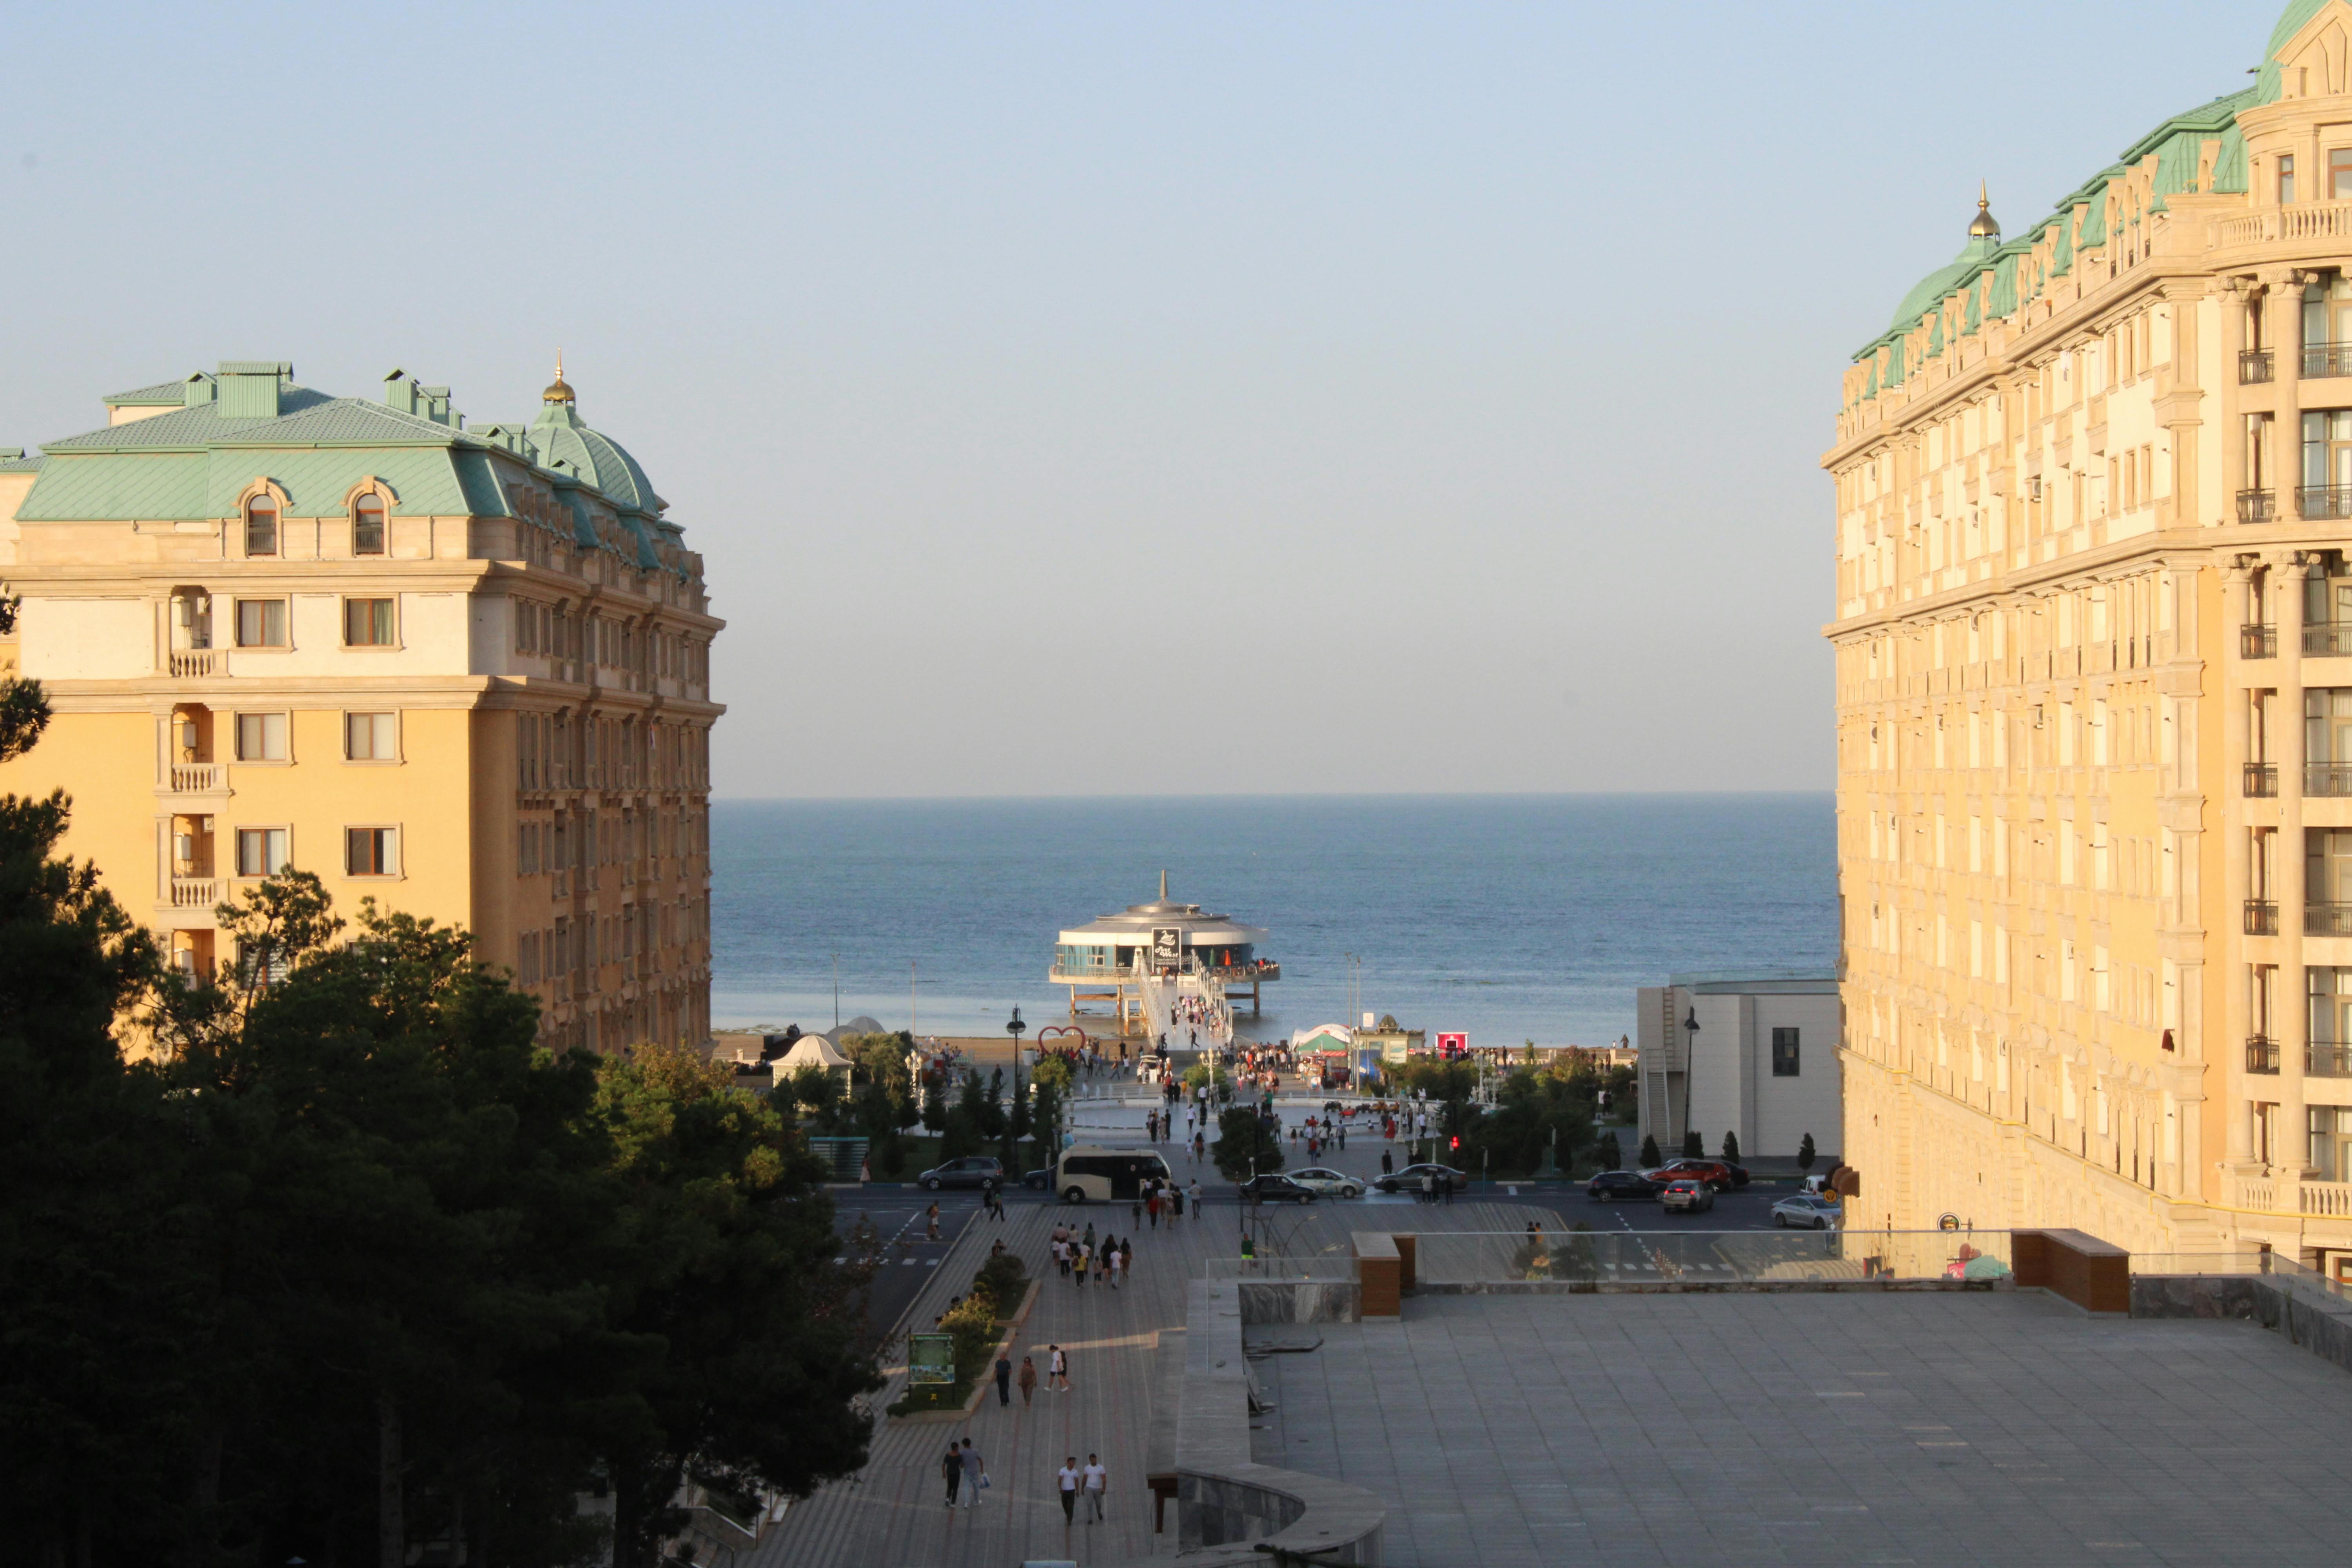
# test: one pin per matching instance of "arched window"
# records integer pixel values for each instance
(367, 525)
(261, 525)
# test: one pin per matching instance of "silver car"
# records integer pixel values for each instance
(1806, 1211)
(1327, 1182)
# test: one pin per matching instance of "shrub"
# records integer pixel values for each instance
(1731, 1147)
(1805, 1153)
(1694, 1146)
(1649, 1152)
(1001, 1280)
(1608, 1151)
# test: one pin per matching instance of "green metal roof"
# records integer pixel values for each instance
(2291, 22)
(162, 395)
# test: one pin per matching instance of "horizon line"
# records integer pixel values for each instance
(717, 799)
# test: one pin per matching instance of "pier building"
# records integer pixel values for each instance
(2093, 675)
(1145, 960)
(461, 670)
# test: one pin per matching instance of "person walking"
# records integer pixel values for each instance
(1028, 1379)
(1193, 1197)
(1057, 1367)
(1078, 1257)
(1151, 1208)
(1069, 1481)
(1175, 1203)
(1113, 1263)
(1004, 1378)
(1127, 1258)
(1098, 1482)
(952, 1469)
(934, 1219)
(975, 1475)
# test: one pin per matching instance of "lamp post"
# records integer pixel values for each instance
(1015, 1029)
(1690, 1050)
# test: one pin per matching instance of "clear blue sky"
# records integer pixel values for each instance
(1441, 385)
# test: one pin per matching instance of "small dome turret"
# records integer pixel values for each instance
(559, 390)
(1984, 226)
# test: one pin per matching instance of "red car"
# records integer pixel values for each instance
(1720, 1174)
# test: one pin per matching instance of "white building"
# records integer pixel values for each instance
(1754, 1055)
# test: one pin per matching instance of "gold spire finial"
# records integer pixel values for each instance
(559, 391)
(1984, 226)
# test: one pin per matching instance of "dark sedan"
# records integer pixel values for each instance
(1274, 1189)
(972, 1171)
(1617, 1186)
(1039, 1180)
(1408, 1179)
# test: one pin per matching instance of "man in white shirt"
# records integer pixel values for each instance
(1069, 1479)
(1097, 1477)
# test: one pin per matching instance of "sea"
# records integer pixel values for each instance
(1509, 917)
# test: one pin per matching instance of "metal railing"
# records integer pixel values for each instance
(195, 778)
(2258, 642)
(193, 664)
(2261, 1054)
(2327, 778)
(2328, 639)
(2322, 1058)
(2262, 917)
(2257, 506)
(2288, 1273)
(2256, 366)
(1683, 1258)
(2262, 780)
(2323, 918)
(2328, 359)
(2322, 501)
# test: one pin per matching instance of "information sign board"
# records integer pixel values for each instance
(930, 1360)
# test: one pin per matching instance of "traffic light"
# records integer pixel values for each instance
(1456, 1143)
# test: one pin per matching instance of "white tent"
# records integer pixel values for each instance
(811, 1051)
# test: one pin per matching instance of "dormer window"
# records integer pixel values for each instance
(261, 525)
(367, 525)
(2286, 179)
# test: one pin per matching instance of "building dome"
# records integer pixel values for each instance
(1984, 226)
(565, 441)
(1984, 238)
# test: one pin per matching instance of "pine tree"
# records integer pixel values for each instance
(1608, 1152)
(1805, 1153)
(1650, 1158)
(1731, 1147)
(1694, 1146)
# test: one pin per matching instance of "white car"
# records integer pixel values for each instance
(1807, 1211)
(1326, 1182)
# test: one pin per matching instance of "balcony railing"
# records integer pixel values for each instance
(2261, 1054)
(2257, 506)
(2327, 778)
(2321, 501)
(2323, 1059)
(2258, 642)
(195, 778)
(2262, 780)
(195, 892)
(2328, 639)
(193, 663)
(2327, 920)
(2256, 366)
(2262, 917)
(2328, 359)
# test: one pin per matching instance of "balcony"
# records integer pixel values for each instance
(2257, 506)
(2331, 1200)
(2328, 359)
(2327, 920)
(2262, 917)
(2262, 780)
(2261, 1054)
(196, 892)
(2256, 366)
(2321, 1059)
(198, 778)
(2258, 642)
(2318, 503)
(194, 663)
(2328, 639)
(2327, 778)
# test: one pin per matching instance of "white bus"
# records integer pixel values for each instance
(1090, 1174)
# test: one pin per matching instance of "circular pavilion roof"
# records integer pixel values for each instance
(1138, 921)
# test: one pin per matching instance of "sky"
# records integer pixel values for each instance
(1112, 399)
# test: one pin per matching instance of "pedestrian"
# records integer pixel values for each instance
(1098, 1480)
(1175, 1203)
(1127, 1258)
(1427, 1192)
(975, 1475)
(1151, 1208)
(934, 1218)
(1057, 1366)
(1113, 1263)
(1387, 1167)
(1078, 1265)
(1449, 1189)
(1028, 1379)
(1194, 1197)
(952, 1469)
(1004, 1378)
(1069, 1479)
(1135, 1210)
(1088, 1239)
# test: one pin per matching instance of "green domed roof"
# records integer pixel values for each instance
(1942, 282)
(562, 439)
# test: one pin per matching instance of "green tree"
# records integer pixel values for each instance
(1731, 1147)
(1650, 1158)
(1694, 1145)
(1805, 1155)
(1245, 1142)
(1607, 1153)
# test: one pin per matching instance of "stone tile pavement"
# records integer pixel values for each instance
(2000, 1429)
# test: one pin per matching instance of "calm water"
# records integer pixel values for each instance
(1511, 917)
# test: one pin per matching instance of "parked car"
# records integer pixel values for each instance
(1617, 1186)
(1408, 1179)
(1329, 1182)
(972, 1171)
(1039, 1180)
(1688, 1195)
(1720, 1174)
(1806, 1211)
(1272, 1187)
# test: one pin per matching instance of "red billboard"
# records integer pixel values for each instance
(1450, 1046)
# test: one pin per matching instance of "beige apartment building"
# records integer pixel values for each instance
(462, 671)
(2094, 655)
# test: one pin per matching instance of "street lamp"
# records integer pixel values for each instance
(1015, 1029)
(1690, 1050)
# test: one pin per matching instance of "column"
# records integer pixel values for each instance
(2292, 1015)
(2234, 305)
(2283, 300)
(2237, 881)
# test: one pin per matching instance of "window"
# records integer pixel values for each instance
(2339, 174)
(367, 622)
(260, 851)
(371, 851)
(261, 525)
(2331, 1142)
(1784, 1053)
(367, 525)
(370, 737)
(261, 623)
(2286, 180)
(261, 737)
